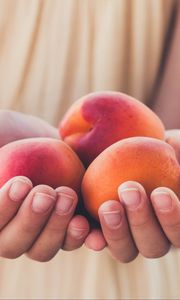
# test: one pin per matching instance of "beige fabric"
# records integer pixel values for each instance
(51, 53)
(83, 274)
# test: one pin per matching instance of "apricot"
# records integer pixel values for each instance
(43, 160)
(100, 119)
(149, 161)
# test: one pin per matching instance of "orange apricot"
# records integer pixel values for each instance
(149, 161)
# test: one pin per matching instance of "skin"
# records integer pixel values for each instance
(31, 216)
(132, 228)
(26, 126)
(142, 228)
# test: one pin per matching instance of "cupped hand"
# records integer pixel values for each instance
(38, 221)
(140, 224)
(137, 224)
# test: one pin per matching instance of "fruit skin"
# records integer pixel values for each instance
(149, 161)
(100, 119)
(43, 160)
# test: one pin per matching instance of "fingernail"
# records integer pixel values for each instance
(131, 197)
(113, 218)
(162, 200)
(64, 204)
(19, 190)
(78, 233)
(42, 202)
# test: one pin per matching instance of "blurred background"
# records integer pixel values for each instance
(53, 52)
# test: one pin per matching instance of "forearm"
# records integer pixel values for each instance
(15, 125)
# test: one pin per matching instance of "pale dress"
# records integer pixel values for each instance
(51, 53)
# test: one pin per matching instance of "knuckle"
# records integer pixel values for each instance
(139, 223)
(57, 232)
(116, 237)
(58, 229)
(119, 242)
(28, 228)
(113, 239)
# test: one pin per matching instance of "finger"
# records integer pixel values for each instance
(21, 232)
(52, 236)
(147, 233)
(115, 229)
(95, 240)
(167, 209)
(12, 195)
(76, 233)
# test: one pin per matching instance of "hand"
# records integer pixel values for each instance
(34, 220)
(38, 221)
(138, 224)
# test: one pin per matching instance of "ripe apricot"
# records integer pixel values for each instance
(149, 161)
(43, 160)
(100, 119)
